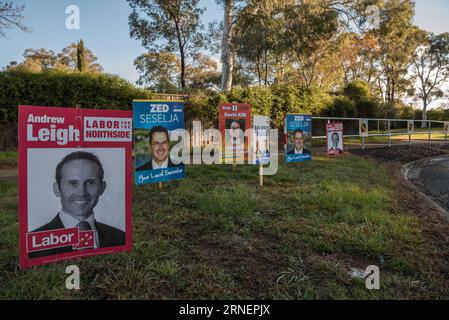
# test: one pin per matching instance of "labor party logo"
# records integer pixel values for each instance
(158, 133)
(75, 183)
(298, 138)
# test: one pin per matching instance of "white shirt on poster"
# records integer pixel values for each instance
(164, 165)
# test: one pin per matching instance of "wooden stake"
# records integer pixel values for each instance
(261, 174)
(160, 187)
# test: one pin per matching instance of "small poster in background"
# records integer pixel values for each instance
(363, 128)
(234, 120)
(298, 138)
(154, 124)
(260, 147)
(335, 143)
(410, 127)
(75, 183)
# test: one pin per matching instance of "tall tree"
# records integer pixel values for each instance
(396, 39)
(68, 58)
(232, 9)
(159, 71)
(39, 59)
(431, 68)
(81, 57)
(169, 25)
(11, 16)
(311, 36)
(227, 56)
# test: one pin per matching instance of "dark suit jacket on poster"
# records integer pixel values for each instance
(108, 237)
(304, 151)
(149, 165)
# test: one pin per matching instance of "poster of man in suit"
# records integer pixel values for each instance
(74, 183)
(234, 120)
(298, 138)
(154, 124)
(334, 133)
(260, 147)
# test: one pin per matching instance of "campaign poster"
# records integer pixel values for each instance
(410, 127)
(334, 134)
(234, 120)
(75, 183)
(260, 147)
(154, 124)
(298, 138)
(363, 128)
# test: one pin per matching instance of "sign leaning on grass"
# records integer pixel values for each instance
(234, 120)
(334, 134)
(260, 146)
(155, 123)
(75, 183)
(298, 138)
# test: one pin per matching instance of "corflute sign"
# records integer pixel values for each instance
(156, 128)
(75, 183)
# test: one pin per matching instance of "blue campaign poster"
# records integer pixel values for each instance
(154, 121)
(298, 138)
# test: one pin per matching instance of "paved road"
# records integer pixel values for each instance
(432, 177)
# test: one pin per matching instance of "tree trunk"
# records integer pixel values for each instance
(183, 70)
(424, 114)
(227, 58)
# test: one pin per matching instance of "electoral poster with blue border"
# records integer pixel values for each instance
(154, 124)
(298, 138)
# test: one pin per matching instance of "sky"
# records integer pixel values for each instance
(104, 29)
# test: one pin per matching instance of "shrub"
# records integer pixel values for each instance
(64, 89)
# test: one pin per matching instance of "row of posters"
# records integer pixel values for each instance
(75, 169)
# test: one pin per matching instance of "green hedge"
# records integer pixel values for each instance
(63, 89)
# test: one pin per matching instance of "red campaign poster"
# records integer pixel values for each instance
(335, 143)
(234, 120)
(75, 183)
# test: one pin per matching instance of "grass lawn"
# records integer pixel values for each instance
(8, 155)
(218, 235)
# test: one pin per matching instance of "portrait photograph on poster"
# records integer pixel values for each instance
(335, 143)
(234, 120)
(154, 124)
(78, 203)
(298, 138)
(260, 146)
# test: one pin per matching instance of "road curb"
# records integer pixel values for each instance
(405, 170)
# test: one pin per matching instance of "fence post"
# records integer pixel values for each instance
(389, 134)
(430, 133)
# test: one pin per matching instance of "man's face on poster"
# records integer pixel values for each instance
(235, 132)
(299, 140)
(335, 140)
(160, 146)
(80, 187)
